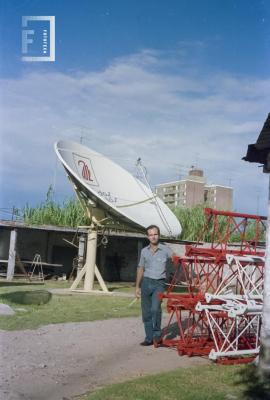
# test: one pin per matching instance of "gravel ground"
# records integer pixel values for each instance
(57, 362)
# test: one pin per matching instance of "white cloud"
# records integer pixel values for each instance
(136, 107)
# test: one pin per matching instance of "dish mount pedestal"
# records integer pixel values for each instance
(90, 269)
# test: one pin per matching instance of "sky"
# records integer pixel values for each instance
(176, 83)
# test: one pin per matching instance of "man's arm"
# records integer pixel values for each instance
(140, 271)
(171, 253)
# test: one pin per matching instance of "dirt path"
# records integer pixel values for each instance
(60, 361)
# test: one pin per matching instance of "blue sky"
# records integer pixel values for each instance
(92, 33)
(176, 83)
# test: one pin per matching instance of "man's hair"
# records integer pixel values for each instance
(152, 227)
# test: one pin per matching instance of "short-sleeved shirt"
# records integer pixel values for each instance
(154, 264)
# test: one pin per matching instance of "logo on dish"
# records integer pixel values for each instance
(86, 174)
(85, 169)
(38, 38)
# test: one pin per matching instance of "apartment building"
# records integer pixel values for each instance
(193, 190)
(219, 197)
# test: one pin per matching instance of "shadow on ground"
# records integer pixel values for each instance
(37, 297)
(256, 387)
(115, 288)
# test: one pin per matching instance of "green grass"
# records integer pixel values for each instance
(62, 308)
(214, 382)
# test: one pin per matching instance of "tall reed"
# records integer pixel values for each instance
(193, 226)
(69, 213)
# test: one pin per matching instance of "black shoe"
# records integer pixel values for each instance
(145, 343)
(157, 341)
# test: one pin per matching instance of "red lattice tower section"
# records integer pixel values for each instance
(219, 314)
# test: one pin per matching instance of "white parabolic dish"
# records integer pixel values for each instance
(115, 190)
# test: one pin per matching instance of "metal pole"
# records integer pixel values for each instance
(90, 260)
(265, 333)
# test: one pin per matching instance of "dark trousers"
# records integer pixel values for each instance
(151, 307)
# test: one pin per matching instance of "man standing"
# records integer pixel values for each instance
(151, 275)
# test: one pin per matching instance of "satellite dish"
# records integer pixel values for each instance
(114, 190)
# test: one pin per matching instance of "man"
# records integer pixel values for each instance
(151, 274)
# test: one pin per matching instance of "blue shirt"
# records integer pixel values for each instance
(154, 264)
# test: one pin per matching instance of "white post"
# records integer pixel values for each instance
(81, 253)
(90, 261)
(139, 247)
(265, 333)
(12, 255)
(90, 270)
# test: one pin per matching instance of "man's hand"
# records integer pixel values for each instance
(139, 277)
(137, 292)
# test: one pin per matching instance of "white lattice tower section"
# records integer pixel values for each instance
(234, 311)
